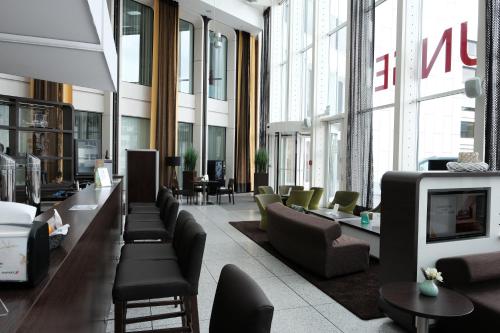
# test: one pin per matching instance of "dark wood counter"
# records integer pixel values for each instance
(76, 294)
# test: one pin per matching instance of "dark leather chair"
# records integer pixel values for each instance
(149, 279)
(150, 207)
(229, 190)
(240, 305)
(151, 227)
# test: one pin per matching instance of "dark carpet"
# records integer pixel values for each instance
(357, 292)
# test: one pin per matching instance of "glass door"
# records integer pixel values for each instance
(287, 159)
(303, 158)
(333, 178)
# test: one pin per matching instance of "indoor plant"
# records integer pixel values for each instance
(189, 173)
(261, 177)
(428, 286)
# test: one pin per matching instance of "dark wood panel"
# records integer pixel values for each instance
(141, 175)
(76, 294)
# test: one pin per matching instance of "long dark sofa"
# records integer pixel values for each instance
(477, 277)
(315, 243)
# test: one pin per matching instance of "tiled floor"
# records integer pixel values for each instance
(299, 306)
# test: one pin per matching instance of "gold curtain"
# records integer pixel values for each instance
(164, 85)
(246, 110)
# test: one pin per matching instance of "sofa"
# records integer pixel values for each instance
(315, 243)
(477, 277)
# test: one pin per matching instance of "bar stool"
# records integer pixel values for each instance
(145, 279)
(148, 227)
(150, 207)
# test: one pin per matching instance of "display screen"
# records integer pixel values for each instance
(453, 214)
(87, 151)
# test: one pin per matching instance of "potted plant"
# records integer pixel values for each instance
(260, 177)
(189, 173)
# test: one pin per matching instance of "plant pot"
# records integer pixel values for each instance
(428, 288)
(188, 179)
(259, 179)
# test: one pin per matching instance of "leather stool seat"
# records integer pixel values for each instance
(148, 279)
(145, 251)
(143, 217)
(145, 230)
(145, 210)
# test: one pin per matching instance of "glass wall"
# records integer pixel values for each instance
(217, 75)
(88, 125)
(216, 143)
(184, 141)
(186, 56)
(136, 43)
(333, 181)
(134, 134)
(448, 56)
(279, 71)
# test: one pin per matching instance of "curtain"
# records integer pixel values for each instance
(264, 79)
(492, 84)
(164, 87)
(359, 122)
(246, 105)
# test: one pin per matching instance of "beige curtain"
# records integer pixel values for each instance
(164, 85)
(246, 110)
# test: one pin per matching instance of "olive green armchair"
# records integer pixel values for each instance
(285, 189)
(316, 197)
(299, 198)
(262, 201)
(265, 190)
(346, 200)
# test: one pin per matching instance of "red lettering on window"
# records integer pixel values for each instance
(464, 55)
(445, 38)
(394, 71)
(384, 72)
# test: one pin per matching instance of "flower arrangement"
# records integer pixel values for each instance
(432, 274)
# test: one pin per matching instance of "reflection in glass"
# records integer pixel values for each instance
(217, 82)
(136, 43)
(88, 125)
(216, 143)
(184, 141)
(4, 141)
(134, 134)
(336, 84)
(40, 116)
(287, 160)
(334, 160)
(186, 49)
(4, 114)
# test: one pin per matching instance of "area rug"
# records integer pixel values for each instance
(356, 292)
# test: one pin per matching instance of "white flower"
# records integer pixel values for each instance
(432, 273)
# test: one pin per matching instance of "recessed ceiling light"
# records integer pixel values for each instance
(134, 12)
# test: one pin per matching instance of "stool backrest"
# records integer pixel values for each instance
(170, 215)
(240, 305)
(189, 247)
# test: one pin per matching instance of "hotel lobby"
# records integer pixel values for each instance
(249, 166)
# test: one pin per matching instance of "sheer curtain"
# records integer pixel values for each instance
(492, 84)
(359, 121)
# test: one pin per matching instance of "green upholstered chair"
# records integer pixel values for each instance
(299, 198)
(262, 201)
(265, 190)
(318, 193)
(346, 200)
(285, 189)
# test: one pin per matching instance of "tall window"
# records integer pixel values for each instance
(216, 143)
(383, 92)
(136, 43)
(88, 125)
(334, 159)
(448, 58)
(304, 54)
(279, 75)
(134, 135)
(184, 141)
(217, 81)
(186, 58)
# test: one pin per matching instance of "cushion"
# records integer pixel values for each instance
(142, 217)
(470, 268)
(143, 230)
(143, 251)
(145, 279)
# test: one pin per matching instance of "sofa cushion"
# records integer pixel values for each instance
(470, 269)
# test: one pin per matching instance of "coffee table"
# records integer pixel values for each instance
(406, 297)
(351, 225)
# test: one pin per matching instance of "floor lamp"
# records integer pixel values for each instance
(172, 162)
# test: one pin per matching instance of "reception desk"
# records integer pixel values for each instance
(76, 294)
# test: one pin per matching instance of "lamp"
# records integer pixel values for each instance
(172, 162)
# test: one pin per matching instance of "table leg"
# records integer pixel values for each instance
(204, 194)
(422, 324)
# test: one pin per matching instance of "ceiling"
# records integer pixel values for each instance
(44, 39)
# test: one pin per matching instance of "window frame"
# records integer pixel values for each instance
(225, 70)
(191, 80)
